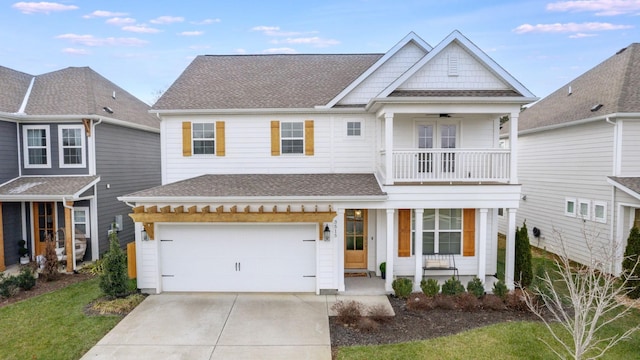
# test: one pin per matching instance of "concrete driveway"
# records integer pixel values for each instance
(212, 326)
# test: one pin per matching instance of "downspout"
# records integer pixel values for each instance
(73, 234)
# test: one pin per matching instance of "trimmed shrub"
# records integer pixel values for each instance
(493, 302)
(523, 270)
(25, 280)
(445, 302)
(467, 302)
(515, 300)
(348, 312)
(8, 286)
(500, 289)
(402, 287)
(114, 282)
(452, 286)
(430, 287)
(420, 302)
(631, 253)
(475, 287)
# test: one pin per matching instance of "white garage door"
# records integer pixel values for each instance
(247, 257)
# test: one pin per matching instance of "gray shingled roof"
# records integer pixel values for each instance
(450, 93)
(263, 81)
(631, 183)
(45, 187)
(614, 83)
(267, 185)
(72, 91)
(13, 86)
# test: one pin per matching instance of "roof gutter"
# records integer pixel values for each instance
(258, 111)
(65, 118)
(248, 199)
(578, 122)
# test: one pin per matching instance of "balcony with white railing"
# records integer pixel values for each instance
(448, 165)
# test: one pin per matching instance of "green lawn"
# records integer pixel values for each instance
(53, 326)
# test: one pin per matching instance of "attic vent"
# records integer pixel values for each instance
(596, 107)
(569, 91)
(113, 96)
(453, 65)
(107, 109)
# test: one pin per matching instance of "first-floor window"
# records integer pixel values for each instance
(441, 231)
(600, 211)
(81, 220)
(570, 207)
(584, 209)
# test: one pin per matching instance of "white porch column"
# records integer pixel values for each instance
(418, 248)
(482, 245)
(390, 250)
(510, 257)
(388, 147)
(340, 248)
(513, 145)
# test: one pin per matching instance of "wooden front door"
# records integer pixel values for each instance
(355, 239)
(44, 223)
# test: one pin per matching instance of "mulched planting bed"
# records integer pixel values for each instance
(43, 287)
(413, 325)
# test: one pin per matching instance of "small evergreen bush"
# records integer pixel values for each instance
(500, 289)
(430, 287)
(402, 287)
(114, 282)
(631, 253)
(475, 287)
(25, 279)
(8, 286)
(523, 269)
(452, 286)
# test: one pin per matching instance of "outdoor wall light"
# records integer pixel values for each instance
(326, 233)
(144, 235)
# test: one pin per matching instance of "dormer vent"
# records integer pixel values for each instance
(113, 96)
(107, 109)
(596, 107)
(569, 91)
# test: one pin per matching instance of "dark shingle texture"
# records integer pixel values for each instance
(82, 91)
(45, 186)
(614, 83)
(632, 183)
(13, 87)
(263, 81)
(268, 185)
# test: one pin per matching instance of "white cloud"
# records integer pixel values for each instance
(315, 41)
(206, 22)
(142, 28)
(120, 21)
(90, 40)
(167, 20)
(74, 51)
(581, 35)
(275, 31)
(282, 50)
(103, 13)
(599, 7)
(191, 33)
(569, 27)
(240, 51)
(41, 7)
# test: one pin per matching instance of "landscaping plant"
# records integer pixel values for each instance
(475, 287)
(430, 287)
(402, 287)
(114, 280)
(50, 269)
(631, 272)
(452, 286)
(500, 289)
(523, 269)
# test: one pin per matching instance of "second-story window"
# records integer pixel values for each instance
(204, 138)
(354, 128)
(37, 147)
(71, 143)
(292, 137)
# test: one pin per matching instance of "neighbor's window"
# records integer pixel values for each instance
(37, 147)
(71, 143)
(204, 138)
(292, 137)
(81, 220)
(600, 211)
(584, 209)
(570, 207)
(441, 231)
(354, 128)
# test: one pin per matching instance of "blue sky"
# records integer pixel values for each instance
(143, 46)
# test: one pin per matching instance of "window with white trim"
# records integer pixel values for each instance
(570, 207)
(71, 146)
(292, 137)
(584, 207)
(441, 231)
(600, 211)
(37, 146)
(203, 138)
(81, 220)
(354, 128)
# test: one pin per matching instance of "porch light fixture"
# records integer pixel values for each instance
(144, 235)
(326, 233)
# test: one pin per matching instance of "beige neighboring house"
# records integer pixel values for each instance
(579, 161)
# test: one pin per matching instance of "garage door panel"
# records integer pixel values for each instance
(263, 257)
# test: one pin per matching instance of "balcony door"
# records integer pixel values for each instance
(355, 235)
(442, 136)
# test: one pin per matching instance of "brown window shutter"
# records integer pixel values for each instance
(308, 137)
(186, 138)
(275, 138)
(404, 232)
(220, 146)
(469, 232)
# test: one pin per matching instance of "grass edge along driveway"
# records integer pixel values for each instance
(53, 325)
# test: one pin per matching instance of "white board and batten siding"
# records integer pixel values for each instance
(566, 163)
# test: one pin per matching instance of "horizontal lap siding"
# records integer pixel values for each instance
(8, 151)
(570, 162)
(12, 231)
(630, 148)
(128, 160)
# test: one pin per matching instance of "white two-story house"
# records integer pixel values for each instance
(280, 172)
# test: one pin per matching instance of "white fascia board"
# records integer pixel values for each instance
(39, 198)
(248, 199)
(411, 37)
(317, 109)
(577, 122)
(91, 184)
(623, 188)
(474, 50)
(388, 104)
(22, 118)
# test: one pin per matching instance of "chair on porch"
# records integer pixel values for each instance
(80, 248)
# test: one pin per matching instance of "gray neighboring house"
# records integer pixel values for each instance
(579, 161)
(71, 141)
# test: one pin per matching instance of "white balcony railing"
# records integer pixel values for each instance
(460, 165)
